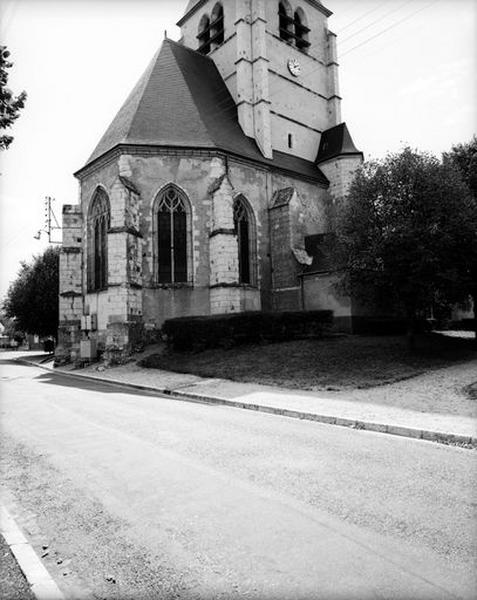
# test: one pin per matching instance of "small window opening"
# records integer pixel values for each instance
(290, 140)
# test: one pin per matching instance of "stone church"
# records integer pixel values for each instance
(208, 193)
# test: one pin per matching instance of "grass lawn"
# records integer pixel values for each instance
(334, 363)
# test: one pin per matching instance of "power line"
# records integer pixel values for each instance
(374, 9)
(390, 12)
(388, 28)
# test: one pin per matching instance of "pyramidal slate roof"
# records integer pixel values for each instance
(182, 101)
(336, 141)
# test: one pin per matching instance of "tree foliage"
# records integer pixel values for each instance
(407, 232)
(464, 157)
(10, 105)
(32, 299)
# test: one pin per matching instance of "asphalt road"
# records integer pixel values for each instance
(138, 496)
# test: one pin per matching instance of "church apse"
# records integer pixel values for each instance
(195, 169)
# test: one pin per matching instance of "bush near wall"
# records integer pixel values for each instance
(199, 333)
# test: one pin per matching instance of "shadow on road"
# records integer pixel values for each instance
(78, 383)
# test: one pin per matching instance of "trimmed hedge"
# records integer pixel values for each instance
(223, 331)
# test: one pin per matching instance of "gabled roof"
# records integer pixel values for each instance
(334, 142)
(182, 101)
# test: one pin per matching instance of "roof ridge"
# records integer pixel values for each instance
(136, 95)
(198, 106)
(145, 77)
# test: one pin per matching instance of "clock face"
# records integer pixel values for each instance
(294, 67)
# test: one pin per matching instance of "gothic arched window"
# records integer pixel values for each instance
(217, 25)
(98, 225)
(284, 21)
(301, 30)
(245, 229)
(172, 222)
(204, 35)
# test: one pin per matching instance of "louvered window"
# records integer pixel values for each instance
(204, 35)
(293, 29)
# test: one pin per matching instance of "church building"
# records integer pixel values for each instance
(209, 192)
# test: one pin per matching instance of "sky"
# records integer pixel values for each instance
(407, 76)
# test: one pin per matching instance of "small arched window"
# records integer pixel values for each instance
(284, 21)
(98, 225)
(204, 35)
(245, 228)
(301, 30)
(217, 25)
(171, 220)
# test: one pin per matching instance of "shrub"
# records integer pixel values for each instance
(199, 333)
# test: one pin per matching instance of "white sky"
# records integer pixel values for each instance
(415, 82)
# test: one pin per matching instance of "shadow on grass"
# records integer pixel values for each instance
(340, 363)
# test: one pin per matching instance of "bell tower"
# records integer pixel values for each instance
(278, 61)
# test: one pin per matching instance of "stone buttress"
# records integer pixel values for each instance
(125, 325)
(223, 250)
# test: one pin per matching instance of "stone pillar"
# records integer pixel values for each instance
(223, 250)
(334, 99)
(71, 300)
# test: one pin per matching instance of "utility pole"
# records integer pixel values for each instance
(51, 222)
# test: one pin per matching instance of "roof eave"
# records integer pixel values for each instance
(316, 4)
(319, 179)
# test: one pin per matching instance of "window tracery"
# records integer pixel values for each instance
(245, 230)
(171, 212)
(98, 225)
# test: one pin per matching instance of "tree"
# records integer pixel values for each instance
(32, 299)
(9, 105)
(406, 233)
(464, 158)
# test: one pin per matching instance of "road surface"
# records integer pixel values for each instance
(131, 495)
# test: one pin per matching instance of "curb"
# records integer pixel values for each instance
(399, 430)
(42, 584)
